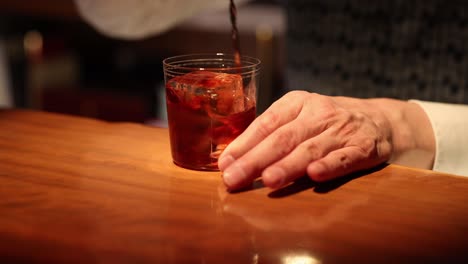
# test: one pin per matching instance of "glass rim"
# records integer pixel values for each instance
(247, 62)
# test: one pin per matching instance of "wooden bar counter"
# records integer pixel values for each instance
(77, 190)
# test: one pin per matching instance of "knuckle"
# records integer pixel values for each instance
(297, 94)
(384, 150)
(312, 150)
(367, 147)
(286, 140)
(267, 122)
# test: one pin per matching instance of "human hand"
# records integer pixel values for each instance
(306, 133)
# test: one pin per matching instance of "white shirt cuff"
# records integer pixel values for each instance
(450, 125)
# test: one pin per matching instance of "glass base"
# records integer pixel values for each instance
(207, 167)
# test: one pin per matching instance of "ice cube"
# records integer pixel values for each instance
(220, 93)
(250, 94)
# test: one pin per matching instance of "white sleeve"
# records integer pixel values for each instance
(137, 19)
(450, 125)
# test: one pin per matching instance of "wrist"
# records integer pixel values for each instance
(412, 134)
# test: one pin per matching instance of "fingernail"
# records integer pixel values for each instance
(225, 161)
(233, 175)
(274, 177)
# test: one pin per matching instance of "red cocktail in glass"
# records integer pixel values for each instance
(210, 101)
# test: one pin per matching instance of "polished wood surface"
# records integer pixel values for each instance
(76, 190)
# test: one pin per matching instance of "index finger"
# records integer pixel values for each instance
(279, 113)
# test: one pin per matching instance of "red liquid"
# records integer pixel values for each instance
(201, 127)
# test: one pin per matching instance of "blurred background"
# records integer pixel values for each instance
(51, 60)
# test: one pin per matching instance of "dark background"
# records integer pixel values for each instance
(79, 71)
